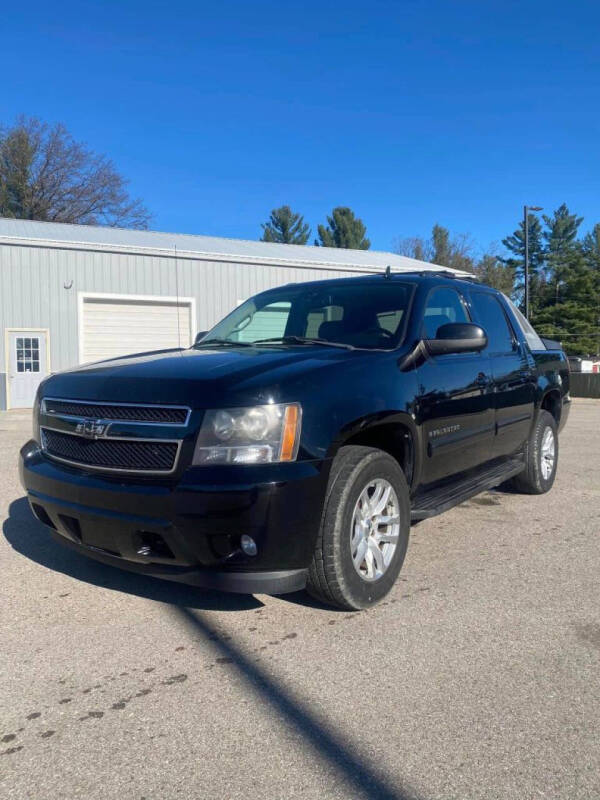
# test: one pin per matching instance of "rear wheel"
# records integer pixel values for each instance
(364, 530)
(541, 457)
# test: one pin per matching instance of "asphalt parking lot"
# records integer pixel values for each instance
(478, 678)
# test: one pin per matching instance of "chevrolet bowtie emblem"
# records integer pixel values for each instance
(91, 429)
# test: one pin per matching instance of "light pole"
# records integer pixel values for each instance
(526, 210)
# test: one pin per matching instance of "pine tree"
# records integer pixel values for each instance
(561, 230)
(562, 253)
(515, 243)
(286, 227)
(570, 312)
(344, 229)
(591, 246)
(440, 238)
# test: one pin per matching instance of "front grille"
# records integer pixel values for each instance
(170, 415)
(111, 454)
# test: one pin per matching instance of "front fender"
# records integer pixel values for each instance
(371, 422)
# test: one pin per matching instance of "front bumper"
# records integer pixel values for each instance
(188, 529)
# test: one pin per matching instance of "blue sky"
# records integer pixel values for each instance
(409, 112)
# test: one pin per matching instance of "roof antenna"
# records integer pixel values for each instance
(388, 272)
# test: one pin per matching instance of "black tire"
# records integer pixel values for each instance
(332, 576)
(532, 479)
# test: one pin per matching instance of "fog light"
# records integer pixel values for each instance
(248, 545)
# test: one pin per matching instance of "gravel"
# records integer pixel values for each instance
(478, 677)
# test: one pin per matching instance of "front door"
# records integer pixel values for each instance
(455, 397)
(27, 366)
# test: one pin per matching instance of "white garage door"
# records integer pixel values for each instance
(113, 327)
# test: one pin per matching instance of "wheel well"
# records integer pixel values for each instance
(395, 439)
(552, 403)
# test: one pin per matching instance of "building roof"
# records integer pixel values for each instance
(181, 245)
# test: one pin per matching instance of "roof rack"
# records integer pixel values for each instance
(434, 271)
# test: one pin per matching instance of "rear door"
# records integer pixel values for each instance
(455, 398)
(512, 372)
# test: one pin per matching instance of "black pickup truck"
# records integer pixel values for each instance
(296, 441)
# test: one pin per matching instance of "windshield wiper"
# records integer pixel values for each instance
(222, 341)
(303, 340)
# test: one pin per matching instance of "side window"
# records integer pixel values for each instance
(493, 320)
(443, 305)
(533, 340)
(266, 323)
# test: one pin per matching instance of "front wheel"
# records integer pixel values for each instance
(364, 531)
(541, 457)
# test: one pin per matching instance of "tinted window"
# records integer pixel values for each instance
(270, 320)
(444, 305)
(493, 320)
(533, 340)
(369, 314)
(316, 316)
(391, 320)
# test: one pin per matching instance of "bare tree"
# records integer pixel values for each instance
(440, 248)
(461, 252)
(414, 247)
(491, 270)
(46, 175)
(454, 251)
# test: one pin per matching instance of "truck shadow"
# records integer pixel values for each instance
(30, 538)
(362, 777)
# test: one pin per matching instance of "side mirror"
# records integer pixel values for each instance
(199, 336)
(457, 337)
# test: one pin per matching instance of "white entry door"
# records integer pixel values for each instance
(27, 366)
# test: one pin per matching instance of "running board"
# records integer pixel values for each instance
(439, 500)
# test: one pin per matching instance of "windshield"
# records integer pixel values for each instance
(365, 315)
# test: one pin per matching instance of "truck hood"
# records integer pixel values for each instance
(198, 378)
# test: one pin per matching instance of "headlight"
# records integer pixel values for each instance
(256, 435)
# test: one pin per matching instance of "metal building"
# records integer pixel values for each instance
(71, 294)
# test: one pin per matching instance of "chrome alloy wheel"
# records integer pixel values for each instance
(375, 529)
(547, 454)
